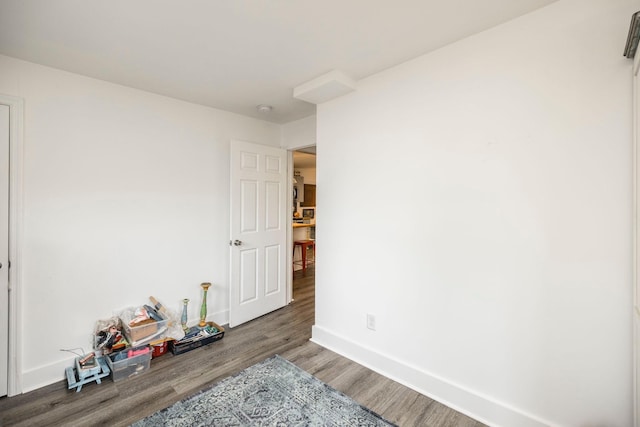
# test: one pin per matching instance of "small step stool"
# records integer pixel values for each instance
(77, 378)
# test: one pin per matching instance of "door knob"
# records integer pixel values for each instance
(237, 243)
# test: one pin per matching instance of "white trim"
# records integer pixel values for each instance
(636, 238)
(464, 400)
(636, 368)
(289, 226)
(16, 138)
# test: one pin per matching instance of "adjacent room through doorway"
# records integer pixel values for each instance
(303, 209)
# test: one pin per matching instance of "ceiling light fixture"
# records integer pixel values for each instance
(264, 109)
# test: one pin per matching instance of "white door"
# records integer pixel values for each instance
(258, 231)
(4, 248)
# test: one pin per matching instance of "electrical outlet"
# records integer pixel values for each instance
(371, 322)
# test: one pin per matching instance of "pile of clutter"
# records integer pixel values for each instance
(137, 329)
(124, 344)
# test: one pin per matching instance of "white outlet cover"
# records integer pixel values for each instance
(371, 322)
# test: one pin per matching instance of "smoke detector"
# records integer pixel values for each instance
(264, 109)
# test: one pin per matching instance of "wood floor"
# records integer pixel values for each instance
(171, 378)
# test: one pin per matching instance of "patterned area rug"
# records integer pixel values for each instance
(274, 392)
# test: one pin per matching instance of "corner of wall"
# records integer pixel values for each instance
(300, 133)
(455, 396)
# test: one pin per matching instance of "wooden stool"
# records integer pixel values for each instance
(304, 245)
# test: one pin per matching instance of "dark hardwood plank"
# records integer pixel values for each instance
(172, 378)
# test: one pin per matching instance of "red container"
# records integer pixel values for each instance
(159, 349)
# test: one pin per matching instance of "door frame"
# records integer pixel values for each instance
(16, 138)
(289, 226)
(290, 151)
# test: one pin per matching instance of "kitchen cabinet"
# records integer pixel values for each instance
(309, 196)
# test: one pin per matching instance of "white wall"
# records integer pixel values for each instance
(300, 133)
(126, 195)
(495, 249)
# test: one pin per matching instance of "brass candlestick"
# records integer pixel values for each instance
(203, 308)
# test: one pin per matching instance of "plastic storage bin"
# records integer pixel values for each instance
(137, 361)
(144, 332)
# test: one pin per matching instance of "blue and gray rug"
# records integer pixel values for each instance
(274, 392)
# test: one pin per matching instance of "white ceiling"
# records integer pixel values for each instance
(236, 54)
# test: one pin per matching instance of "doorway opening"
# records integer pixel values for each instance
(304, 211)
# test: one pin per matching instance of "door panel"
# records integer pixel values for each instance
(272, 270)
(258, 231)
(248, 282)
(273, 221)
(249, 206)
